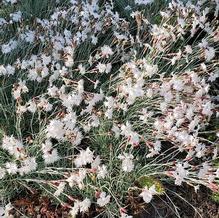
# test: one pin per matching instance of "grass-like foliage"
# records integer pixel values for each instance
(103, 103)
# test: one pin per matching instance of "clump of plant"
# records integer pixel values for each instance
(99, 105)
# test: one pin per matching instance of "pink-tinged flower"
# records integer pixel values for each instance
(103, 199)
(214, 187)
(147, 194)
(127, 162)
(180, 173)
(106, 51)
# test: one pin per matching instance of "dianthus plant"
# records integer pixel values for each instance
(101, 106)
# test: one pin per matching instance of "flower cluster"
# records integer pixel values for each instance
(16, 149)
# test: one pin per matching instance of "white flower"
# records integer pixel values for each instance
(215, 153)
(50, 156)
(106, 51)
(74, 211)
(94, 121)
(157, 146)
(207, 109)
(47, 146)
(190, 112)
(11, 1)
(78, 137)
(80, 206)
(80, 87)
(213, 76)
(77, 178)
(101, 172)
(217, 173)
(109, 113)
(96, 163)
(163, 106)
(180, 173)
(200, 150)
(195, 78)
(69, 61)
(70, 121)
(168, 96)
(16, 94)
(181, 22)
(28, 165)
(81, 69)
(46, 59)
(28, 36)
(134, 138)
(8, 208)
(209, 53)
(2, 21)
(52, 91)
(204, 170)
(108, 68)
(178, 84)
(150, 69)
(11, 168)
(188, 49)
(16, 16)
(32, 107)
(116, 130)
(70, 100)
(176, 57)
(149, 93)
(145, 115)
(109, 102)
(126, 129)
(155, 149)
(85, 205)
(20, 88)
(10, 70)
(2, 212)
(203, 44)
(13, 146)
(2, 173)
(194, 123)
(55, 129)
(103, 199)
(21, 109)
(143, 2)
(101, 67)
(7, 48)
(104, 68)
(3, 70)
(47, 107)
(127, 162)
(85, 157)
(147, 194)
(94, 40)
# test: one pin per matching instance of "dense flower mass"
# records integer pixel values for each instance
(93, 99)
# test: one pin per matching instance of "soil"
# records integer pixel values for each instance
(161, 206)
